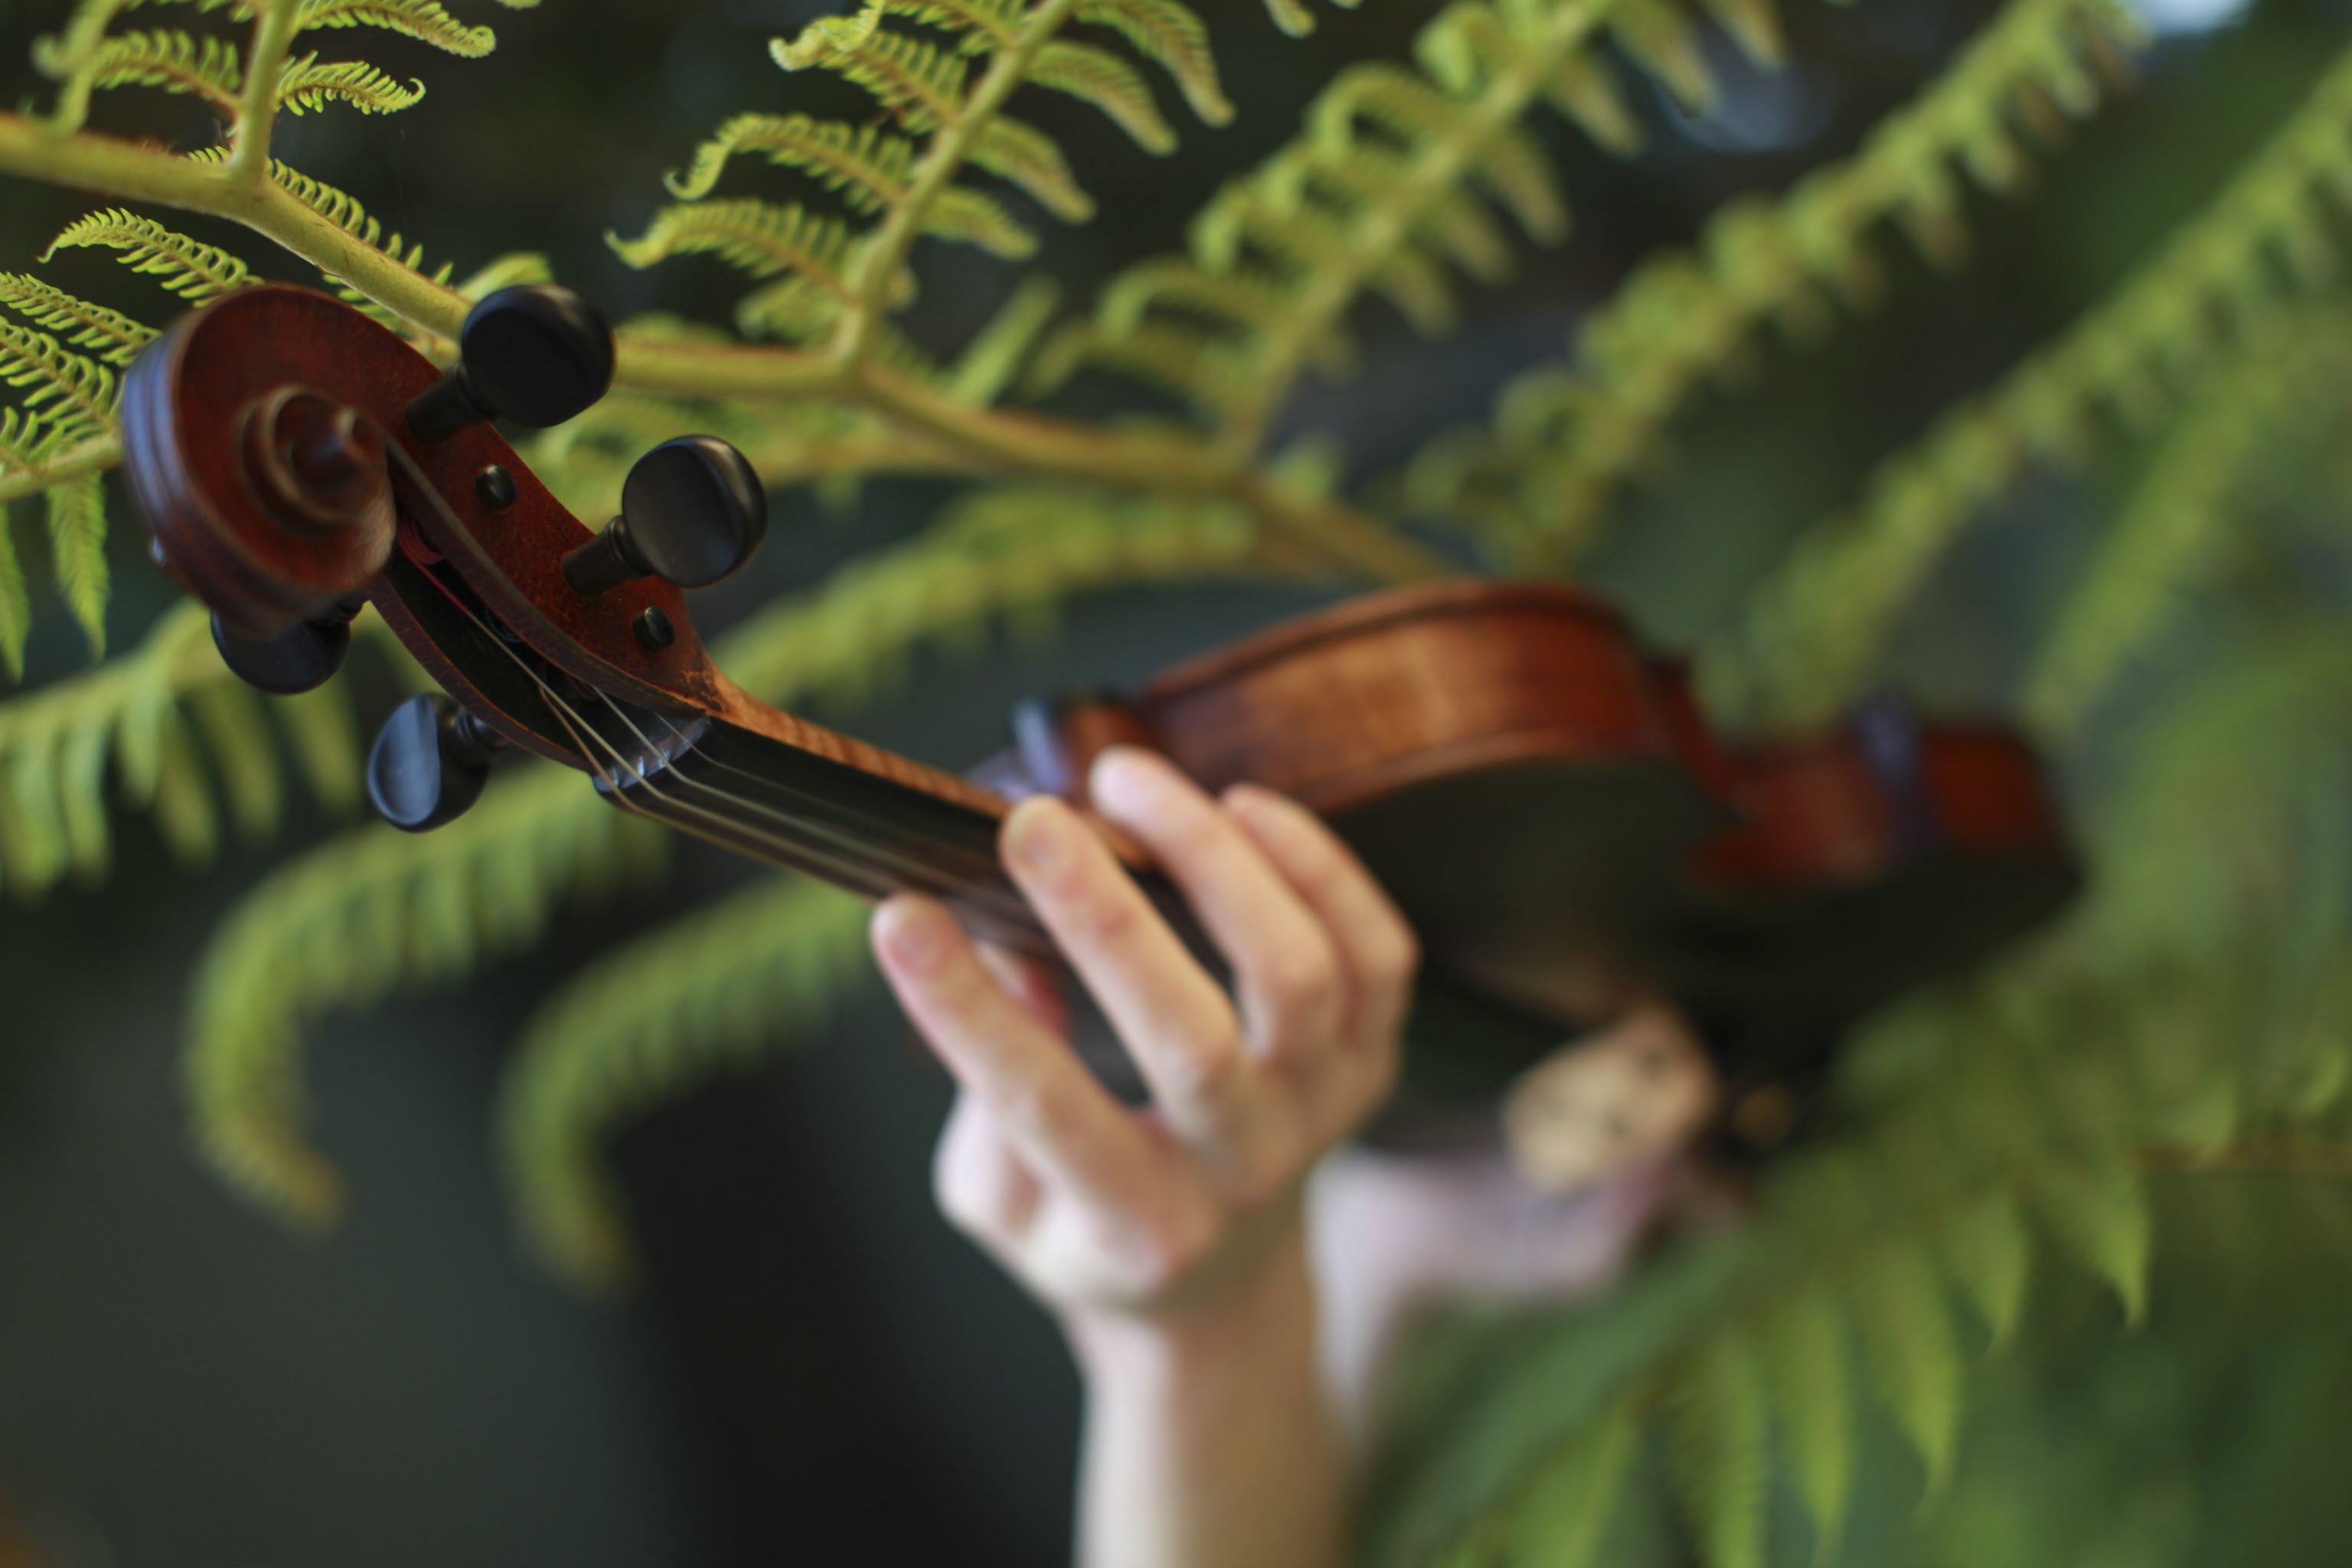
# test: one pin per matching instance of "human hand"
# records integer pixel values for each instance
(1105, 1212)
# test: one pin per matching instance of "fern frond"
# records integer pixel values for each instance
(1101, 78)
(993, 359)
(1719, 1452)
(1030, 158)
(205, 68)
(1810, 1388)
(69, 391)
(2168, 537)
(2100, 1211)
(696, 997)
(194, 271)
(1169, 34)
(133, 712)
(115, 337)
(78, 553)
(1544, 481)
(921, 84)
(1370, 196)
(1816, 623)
(763, 239)
(307, 84)
(1565, 1513)
(1988, 1256)
(423, 20)
(368, 912)
(15, 603)
(378, 909)
(1905, 1319)
(867, 164)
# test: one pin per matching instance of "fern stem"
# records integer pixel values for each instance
(74, 463)
(884, 251)
(1339, 532)
(273, 34)
(1436, 172)
(2286, 1156)
(136, 171)
(1679, 317)
(992, 441)
(1815, 624)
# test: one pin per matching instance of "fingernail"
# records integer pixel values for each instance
(1124, 780)
(1038, 835)
(912, 933)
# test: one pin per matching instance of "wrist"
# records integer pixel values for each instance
(1257, 1308)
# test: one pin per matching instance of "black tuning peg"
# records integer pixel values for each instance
(429, 763)
(302, 658)
(691, 513)
(535, 353)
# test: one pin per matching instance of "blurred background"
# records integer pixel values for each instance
(809, 1364)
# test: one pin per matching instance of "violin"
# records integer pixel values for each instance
(1542, 800)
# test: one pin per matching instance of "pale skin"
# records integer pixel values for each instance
(1169, 1243)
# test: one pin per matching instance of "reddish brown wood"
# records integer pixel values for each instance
(1546, 802)
(1343, 706)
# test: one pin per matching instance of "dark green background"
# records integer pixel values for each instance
(812, 1365)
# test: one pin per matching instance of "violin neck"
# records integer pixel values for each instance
(858, 829)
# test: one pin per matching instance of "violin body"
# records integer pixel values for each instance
(1542, 800)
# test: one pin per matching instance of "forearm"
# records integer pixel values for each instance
(1209, 1440)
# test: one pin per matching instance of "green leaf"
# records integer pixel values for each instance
(78, 553)
(15, 603)
(1111, 84)
(305, 85)
(1171, 33)
(204, 68)
(761, 239)
(961, 214)
(1564, 1517)
(2099, 1211)
(866, 163)
(73, 395)
(1717, 1432)
(1030, 158)
(115, 336)
(1811, 1391)
(1990, 1257)
(194, 271)
(236, 732)
(424, 20)
(703, 993)
(1914, 1354)
(990, 360)
(325, 741)
(184, 798)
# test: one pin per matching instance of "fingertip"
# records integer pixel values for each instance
(911, 934)
(1128, 782)
(1040, 836)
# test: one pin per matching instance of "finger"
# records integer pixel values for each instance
(1284, 966)
(1029, 983)
(1056, 1117)
(979, 1184)
(1169, 1013)
(1375, 945)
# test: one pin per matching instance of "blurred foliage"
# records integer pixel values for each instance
(2063, 1266)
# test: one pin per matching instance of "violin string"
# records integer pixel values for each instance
(996, 901)
(587, 743)
(856, 873)
(987, 879)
